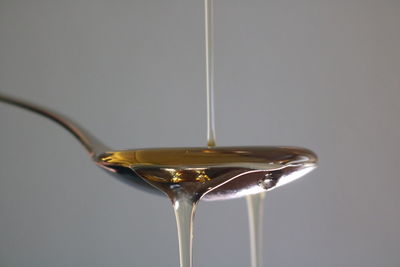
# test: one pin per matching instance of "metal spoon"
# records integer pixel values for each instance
(234, 171)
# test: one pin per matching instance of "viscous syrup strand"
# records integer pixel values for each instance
(184, 213)
(209, 36)
(255, 206)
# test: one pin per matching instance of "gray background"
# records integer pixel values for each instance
(319, 74)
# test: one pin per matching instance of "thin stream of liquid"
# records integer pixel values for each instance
(209, 40)
(255, 207)
(184, 208)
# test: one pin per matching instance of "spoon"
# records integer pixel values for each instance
(216, 172)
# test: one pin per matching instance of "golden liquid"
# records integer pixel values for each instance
(242, 170)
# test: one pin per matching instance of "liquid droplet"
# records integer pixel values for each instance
(268, 181)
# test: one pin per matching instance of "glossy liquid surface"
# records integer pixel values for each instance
(222, 172)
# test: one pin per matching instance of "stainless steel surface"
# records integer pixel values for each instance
(278, 165)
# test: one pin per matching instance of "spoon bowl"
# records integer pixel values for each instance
(213, 173)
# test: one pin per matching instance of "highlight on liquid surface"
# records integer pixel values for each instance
(226, 172)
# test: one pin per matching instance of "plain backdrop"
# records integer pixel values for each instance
(314, 73)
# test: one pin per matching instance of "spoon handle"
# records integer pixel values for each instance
(92, 145)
